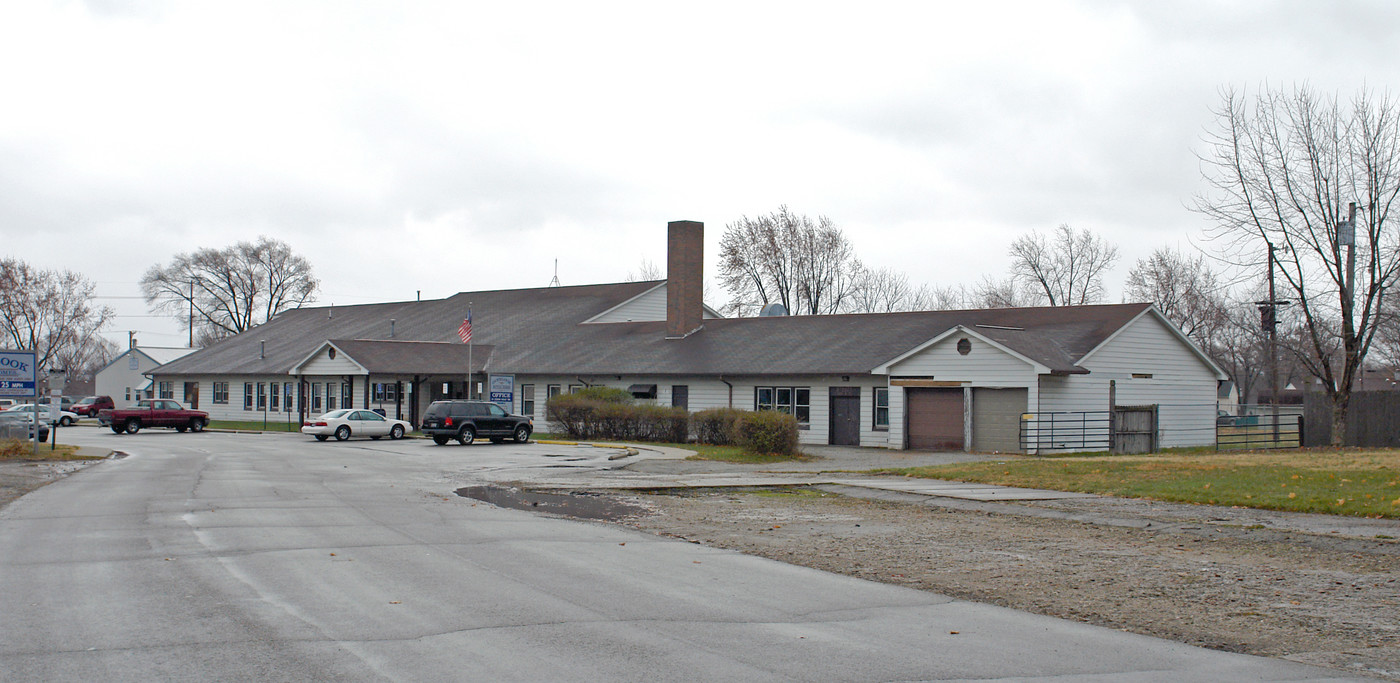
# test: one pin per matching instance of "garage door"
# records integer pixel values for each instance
(996, 419)
(935, 418)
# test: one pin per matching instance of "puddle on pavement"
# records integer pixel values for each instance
(582, 505)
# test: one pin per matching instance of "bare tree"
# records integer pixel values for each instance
(646, 271)
(1184, 289)
(806, 265)
(1067, 268)
(48, 311)
(231, 289)
(1013, 292)
(1283, 167)
(884, 290)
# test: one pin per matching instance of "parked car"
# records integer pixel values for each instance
(345, 423)
(89, 405)
(19, 426)
(7, 403)
(65, 418)
(467, 420)
(153, 412)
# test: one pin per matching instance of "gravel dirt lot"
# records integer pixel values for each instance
(1223, 578)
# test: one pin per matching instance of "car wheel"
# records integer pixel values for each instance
(396, 433)
(66, 421)
(133, 425)
(342, 433)
(440, 440)
(197, 424)
(118, 429)
(181, 428)
(321, 437)
(466, 436)
(522, 434)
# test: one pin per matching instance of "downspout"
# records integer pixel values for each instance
(584, 382)
(731, 390)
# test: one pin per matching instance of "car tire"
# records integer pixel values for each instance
(342, 433)
(118, 429)
(467, 435)
(197, 424)
(133, 425)
(522, 434)
(66, 421)
(440, 440)
(321, 437)
(396, 433)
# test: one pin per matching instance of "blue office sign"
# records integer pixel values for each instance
(18, 374)
(503, 390)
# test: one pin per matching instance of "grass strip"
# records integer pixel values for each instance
(1363, 483)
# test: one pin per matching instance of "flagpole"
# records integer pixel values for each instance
(471, 383)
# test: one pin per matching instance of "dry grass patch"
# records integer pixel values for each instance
(17, 450)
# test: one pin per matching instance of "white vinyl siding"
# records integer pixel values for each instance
(323, 364)
(1181, 384)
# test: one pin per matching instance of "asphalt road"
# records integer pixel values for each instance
(274, 557)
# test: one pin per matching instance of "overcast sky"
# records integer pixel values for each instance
(444, 147)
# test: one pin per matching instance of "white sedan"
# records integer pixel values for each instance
(65, 417)
(343, 424)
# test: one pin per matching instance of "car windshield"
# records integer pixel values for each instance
(334, 415)
(87, 401)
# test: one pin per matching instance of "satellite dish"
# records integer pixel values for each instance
(773, 310)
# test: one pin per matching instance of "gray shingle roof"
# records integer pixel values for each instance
(538, 331)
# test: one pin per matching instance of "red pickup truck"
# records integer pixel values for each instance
(153, 412)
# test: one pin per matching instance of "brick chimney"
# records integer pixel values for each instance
(685, 261)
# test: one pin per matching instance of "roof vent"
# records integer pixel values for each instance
(773, 310)
(1001, 327)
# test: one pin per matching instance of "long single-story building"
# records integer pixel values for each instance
(927, 380)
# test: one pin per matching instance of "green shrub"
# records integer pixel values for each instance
(716, 426)
(664, 423)
(768, 432)
(605, 394)
(572, 412)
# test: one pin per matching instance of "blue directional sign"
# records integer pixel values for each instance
(18, 374)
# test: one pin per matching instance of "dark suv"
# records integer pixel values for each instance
(466, 420)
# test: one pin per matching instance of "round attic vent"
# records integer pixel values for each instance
(332, 353)
(964, 346)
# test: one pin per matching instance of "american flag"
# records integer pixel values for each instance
(465, 329)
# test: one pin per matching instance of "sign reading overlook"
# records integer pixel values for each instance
(18, 374)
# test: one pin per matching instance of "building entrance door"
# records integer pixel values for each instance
(192, 395)
(844, 425)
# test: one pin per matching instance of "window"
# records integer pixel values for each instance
(272, 396)
(247, 395)
(527, 399)
(288, 391)
(387, 392)
(262, 396)
(167, 390)
(316, 397)
(680, 396)
(882, 408)
(575, 388)
(795, 401)
(332, 389)
(347, 397)
(221, 392)
(128, 393)
(551, 391)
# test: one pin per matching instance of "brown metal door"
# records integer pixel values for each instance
(192, 395)
(934, 418)
(844, 427)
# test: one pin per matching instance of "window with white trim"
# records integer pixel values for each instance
(882, 407)
(221, 392)
(247, 395)
(795, 401)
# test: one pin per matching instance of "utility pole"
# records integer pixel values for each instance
(192, 313)
(1268, 318)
